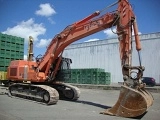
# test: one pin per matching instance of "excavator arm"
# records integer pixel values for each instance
(126, 26)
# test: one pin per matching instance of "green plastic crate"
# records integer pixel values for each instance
(8, 53)
(12, 46)
(17, 48)
(7, 45)
(73, 72)
(8, 60)
(22, 41)
(4, 62)
(2, 36)
(13, 54)
(74, 78)
(8, 38)
(13, 40)
(2, 52)
(21, 53)
(104, 78)
(86, 79)
(2, 45)
(21, 48)
(18, 40)
(2, 68)
(17, 55)
(97, 70)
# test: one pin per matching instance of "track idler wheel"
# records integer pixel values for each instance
(69, 94)
(46, 97)
(131, 103)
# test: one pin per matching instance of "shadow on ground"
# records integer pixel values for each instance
(103, 107)
(93, 104)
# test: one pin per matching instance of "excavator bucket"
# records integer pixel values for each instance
(131, 103)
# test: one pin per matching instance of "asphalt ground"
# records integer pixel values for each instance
(88, 107)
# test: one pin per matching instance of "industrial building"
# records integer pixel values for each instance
(105, 54)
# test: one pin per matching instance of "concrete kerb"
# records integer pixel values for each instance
(155, 89)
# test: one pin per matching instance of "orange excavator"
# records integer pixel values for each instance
(47, 74)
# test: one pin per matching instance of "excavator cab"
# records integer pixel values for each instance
(64, 71)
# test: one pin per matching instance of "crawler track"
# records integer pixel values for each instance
(40, 93)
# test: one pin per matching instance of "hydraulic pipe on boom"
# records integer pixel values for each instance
(46, 74)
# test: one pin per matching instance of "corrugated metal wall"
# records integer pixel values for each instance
(105, 54)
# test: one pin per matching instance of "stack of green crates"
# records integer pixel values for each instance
(74, 76)
(104, 78)
(11, 48)
(90, 76)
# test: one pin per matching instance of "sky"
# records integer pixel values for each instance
(43, 19)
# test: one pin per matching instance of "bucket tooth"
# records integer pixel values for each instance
(131, 103)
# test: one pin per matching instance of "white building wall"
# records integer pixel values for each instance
(105, 54)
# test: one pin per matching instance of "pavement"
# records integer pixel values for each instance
(93, 100)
